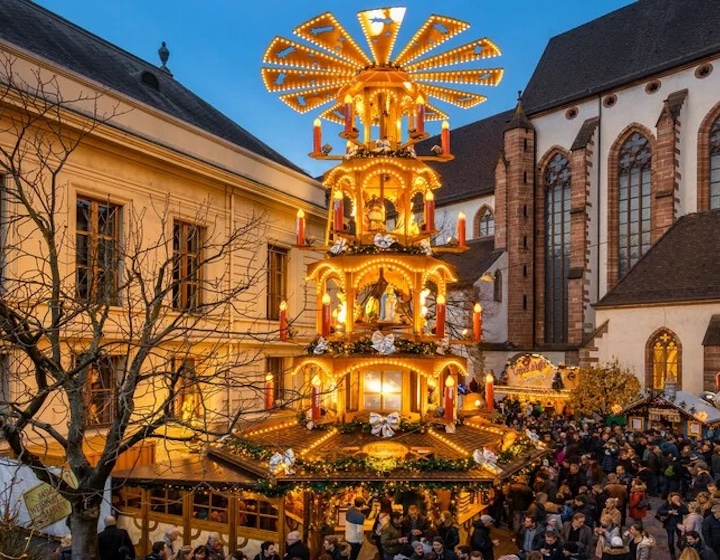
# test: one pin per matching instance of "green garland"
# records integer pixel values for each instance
(362, 153)
(359, 249)
(364, 346)
(272, 488)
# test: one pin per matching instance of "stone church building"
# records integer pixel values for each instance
(594, 205)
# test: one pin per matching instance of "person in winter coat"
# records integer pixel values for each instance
(525, 537)
(693, 541)
(711, 528)
(671, 513)
(391, 539)
(550, 545)
(576, 530)
(638, 492)
(441, 551)
(639, 537)
(448, 530)
(267, 552)
(295, 547)
(481, 540)
(693, 520)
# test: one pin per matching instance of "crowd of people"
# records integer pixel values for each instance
(591, 496)
(115, 543)
(588, 500)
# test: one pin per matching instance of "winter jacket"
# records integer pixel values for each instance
(635, 512)
(480, 540)
(711, 532)
(642, 552)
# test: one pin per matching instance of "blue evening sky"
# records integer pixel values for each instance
(216, 49)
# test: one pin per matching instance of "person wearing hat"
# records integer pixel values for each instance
(438, 546)
(481, 540)
(711, 528)
(295, 547)
(418, 550)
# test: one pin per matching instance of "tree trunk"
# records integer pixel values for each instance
(83, 524)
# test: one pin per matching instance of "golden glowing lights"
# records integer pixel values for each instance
(314, 77)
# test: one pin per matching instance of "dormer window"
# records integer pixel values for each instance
(150, 80)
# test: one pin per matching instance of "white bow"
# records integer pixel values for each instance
(383, 241)
(383, 344)
(487, 459)
(282, 462)
(340, 246)
(426, 247)
(320, 347)
(450, 428)
(384, 426)
(443, 346)
(532, 435)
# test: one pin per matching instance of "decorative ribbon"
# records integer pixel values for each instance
(384, 426)
(487, 459)
(383, 344)
(320, 347)
(532, 435)
(282, 463)
(383, 241)
(340, 246)
(450, 428)
(426, 247)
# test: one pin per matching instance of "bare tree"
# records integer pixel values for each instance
(128, 336)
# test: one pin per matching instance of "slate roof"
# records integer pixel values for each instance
(632, 43)
(46, 34)
(471, 264)
(681, 266)
(477, 148)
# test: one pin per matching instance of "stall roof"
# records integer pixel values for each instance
(189, 471)
(683, 402)
(335, 443)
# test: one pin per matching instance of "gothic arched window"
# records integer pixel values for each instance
(665, 360)
(484, 222)
(557, 247)
(715, 164)
(634, 197)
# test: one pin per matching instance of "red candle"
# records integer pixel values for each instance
(283, 321)
(348, 114)
(461, 229)
(490, 391)
(300, 228)
(440, 316)
(420, 115)
(315, 413)
(477, 322)
(269, 391)
(445, 138)
(429, 211)
(449, 404)
(338, 210)
(317, 136)
(326, 314)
